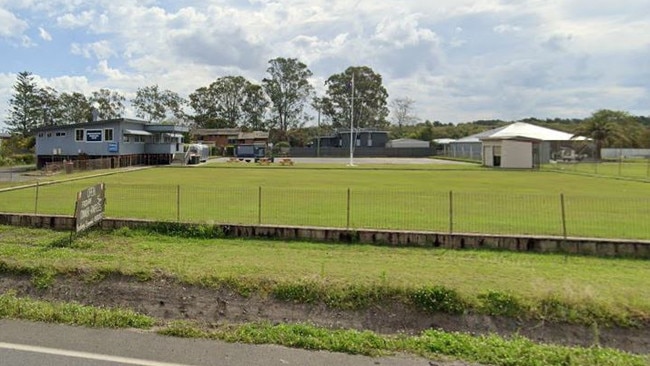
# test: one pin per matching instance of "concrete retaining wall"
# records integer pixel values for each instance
(537, 244)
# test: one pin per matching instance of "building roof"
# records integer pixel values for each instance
(216, 131)
(5, 135)
(443, 141)
(253, 135)
(155, 127)
(522, 130)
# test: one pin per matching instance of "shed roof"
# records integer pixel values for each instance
(522, 130)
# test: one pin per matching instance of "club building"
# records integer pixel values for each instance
(125, 141)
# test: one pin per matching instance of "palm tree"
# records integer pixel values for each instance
(604, 128)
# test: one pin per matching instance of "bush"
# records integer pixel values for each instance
(500, 304)
(439, 299)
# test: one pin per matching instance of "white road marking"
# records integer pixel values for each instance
(86, 355)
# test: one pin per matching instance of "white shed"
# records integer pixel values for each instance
(512, 153)
(407, 143)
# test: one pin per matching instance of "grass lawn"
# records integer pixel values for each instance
(391, 196)
(619, 286)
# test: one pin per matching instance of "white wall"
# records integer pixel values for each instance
(516, 154)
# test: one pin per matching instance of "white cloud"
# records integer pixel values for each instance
(71, 21)
(100, 50)
(10, 25)
(44, 34)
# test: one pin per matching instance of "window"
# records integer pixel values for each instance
(108, 134)
(369, 140)
(126, 138)
(358, 140)
(79, 135)
(40, 134)
(60, 134)
(49, 134)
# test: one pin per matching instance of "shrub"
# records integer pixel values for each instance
(501, 304)
(439, 299)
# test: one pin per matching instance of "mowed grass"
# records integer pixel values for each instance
(462, 198)
(620, 288)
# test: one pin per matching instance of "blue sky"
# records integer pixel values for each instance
(458, 60)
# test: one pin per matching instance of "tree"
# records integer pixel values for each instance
(289, 90)
(109, 104)
(25, 107)
(402, 109)
(75, 108)
(50, 108)
(604, 128)
(230, 101)
(155, 106)
(362, 85)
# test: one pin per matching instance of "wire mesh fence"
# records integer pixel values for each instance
(447, 212)
(638, 168)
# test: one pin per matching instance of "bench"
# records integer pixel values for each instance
(286, 161)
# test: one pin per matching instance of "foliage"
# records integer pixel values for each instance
(230, 101)
(609, 128)
(25, 112)
(362, 85)
(432, 344)
(155, 105)
(108, 103)
(288, 88)
(501, 304)
(402, 110)
(74, 108)
(14, 307)
(439, 299)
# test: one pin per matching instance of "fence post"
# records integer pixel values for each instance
(36, 200)
(620, 161)
(451, 212)
(348, 211)
(178, 203)
(259, 205)
(563, 207)
(647, 169)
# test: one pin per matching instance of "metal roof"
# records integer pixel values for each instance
(522, 130)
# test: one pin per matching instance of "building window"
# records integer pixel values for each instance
(108, 134)
(60, 134)
(79, 135)
(369, 140)
(358, 140)
(126, 138)
(40, 134)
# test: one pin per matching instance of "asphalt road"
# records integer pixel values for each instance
(27, 344)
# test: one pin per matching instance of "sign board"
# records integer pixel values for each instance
(113, 147)
(94, 135)
(90, 207)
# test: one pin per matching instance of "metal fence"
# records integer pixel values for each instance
(638, 168)
(448, 212)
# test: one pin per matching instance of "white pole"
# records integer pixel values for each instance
(352, 124)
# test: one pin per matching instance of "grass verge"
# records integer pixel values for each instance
(433, 344)
(14, 307)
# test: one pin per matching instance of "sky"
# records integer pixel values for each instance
(458, 60)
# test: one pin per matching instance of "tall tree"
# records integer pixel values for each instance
(363, 86)
(604, 127)
(289, 90)
(155, 105)
(25, 111)
(109, 103)
(75, 108)
(230, 101)
(402, 110)
(50, 107)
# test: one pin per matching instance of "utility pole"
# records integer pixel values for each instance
(318, 131)
(352, 124)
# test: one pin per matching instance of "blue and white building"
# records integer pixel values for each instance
(125, 141)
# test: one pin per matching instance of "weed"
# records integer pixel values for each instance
(500, 304)
(439, 299)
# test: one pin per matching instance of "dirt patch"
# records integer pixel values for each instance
(167, 299)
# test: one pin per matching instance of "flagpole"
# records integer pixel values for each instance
(352, 123)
